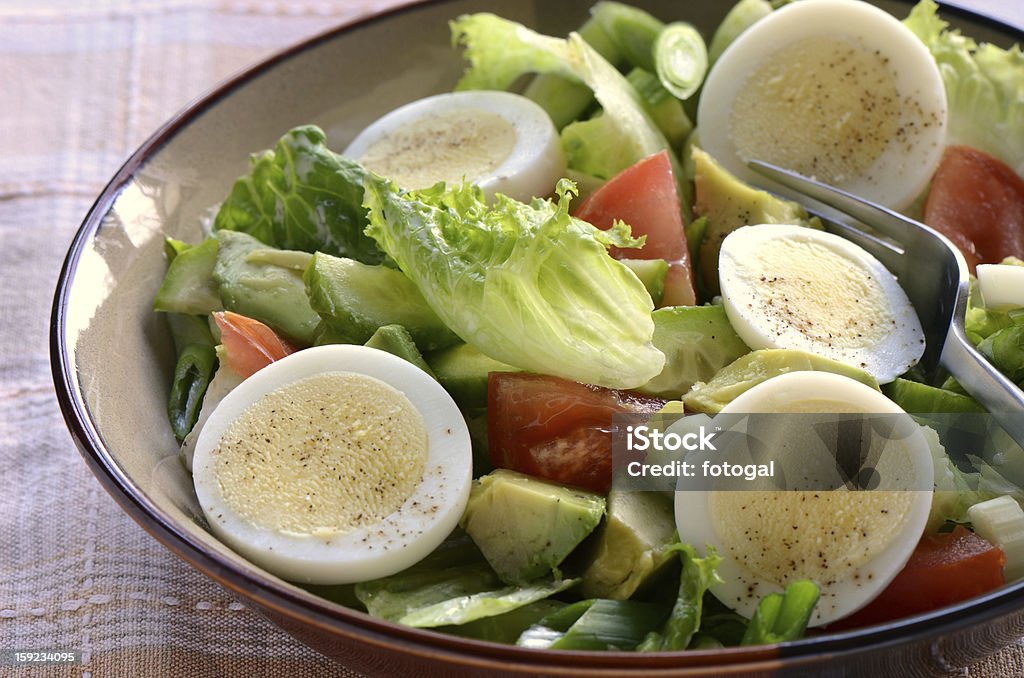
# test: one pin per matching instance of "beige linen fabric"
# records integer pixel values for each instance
(82, 84)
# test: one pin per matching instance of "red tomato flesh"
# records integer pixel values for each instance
(556, 429)
(945, 568)
(644, 196)
(977, 202)
(249, 345)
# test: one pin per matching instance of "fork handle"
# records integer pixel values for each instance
(996, 393)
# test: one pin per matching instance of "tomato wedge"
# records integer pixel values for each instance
(556, 429)
(977, 201)
(644, 196)
(945, 568)
(249, 345)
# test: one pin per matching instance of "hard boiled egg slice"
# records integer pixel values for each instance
(793, 287)
(838, 90)
(851, 543)
(1002, 285)
(336, 464)
(500, 141)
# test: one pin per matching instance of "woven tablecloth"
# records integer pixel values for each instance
(82, 84)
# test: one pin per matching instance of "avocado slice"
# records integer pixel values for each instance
(525, 526)
(697, 342)
(254, 283)
(189, 287)
(463, 370)
(396, 340)
(759, 366)
(728, 204)
(632, 545)
(355, 299)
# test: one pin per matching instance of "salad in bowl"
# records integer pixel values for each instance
(406, 358)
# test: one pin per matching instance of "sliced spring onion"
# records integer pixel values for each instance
(664, 108)
(1001, 521)
(192, 375)
(781, 617)
(595, 625)
(631, 29)
(742, 16)
(681, 59)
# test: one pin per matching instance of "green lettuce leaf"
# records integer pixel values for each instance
(453, 585)
(500, 51)
(984, 87)
(302, 196)
(698, 575)
(526, 284)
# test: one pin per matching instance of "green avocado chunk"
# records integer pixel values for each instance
(261, 282)
(632, 545)
(355, 299)
(728, 204)
(759, 366)
(525, 526)
(189, 287)
(396, 340)
(463, 370)
(697, 342)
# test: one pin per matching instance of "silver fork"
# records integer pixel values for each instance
(934, 275)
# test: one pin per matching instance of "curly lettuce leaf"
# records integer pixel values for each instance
(500, 51)
(526, 284)
(984, 87)
(302, 196)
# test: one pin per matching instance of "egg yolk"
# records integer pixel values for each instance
(454, 146)
(825, 107)
(322, 455)
(824, 535)
(818, 292)
(821, 535)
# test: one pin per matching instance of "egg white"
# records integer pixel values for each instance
(531, 168)
(741, 588)
(787, 286)
(909, 159)
(365, 552)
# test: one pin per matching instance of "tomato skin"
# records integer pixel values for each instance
(644, 196)
(556, 429)
(249, 345)
(977, 201)
(945, 568)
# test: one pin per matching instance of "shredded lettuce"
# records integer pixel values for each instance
(499, 51)
(453, 585)
(984, 86)
(302, 196)
(698, 575)
(998, 333)
(526, 284)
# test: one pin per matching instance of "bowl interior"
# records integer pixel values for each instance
(118, 351)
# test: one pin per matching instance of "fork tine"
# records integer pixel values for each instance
(886, 221)
(889, 254)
